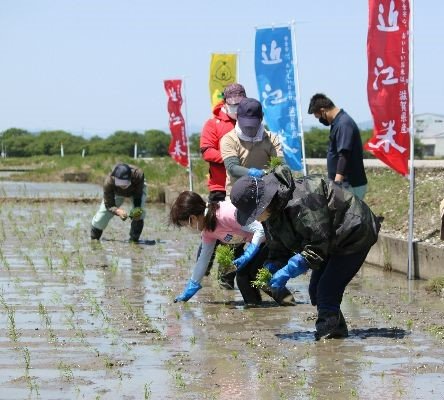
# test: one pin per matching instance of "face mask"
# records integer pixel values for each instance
(324, 121)
(231, 110)
(249, 131)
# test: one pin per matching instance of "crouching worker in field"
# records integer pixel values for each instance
(124, 181)
(216, 221)
(310, 224)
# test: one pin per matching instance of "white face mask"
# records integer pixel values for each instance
(231, 110)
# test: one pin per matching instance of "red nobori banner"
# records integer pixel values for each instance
(178, 144)
(387, 85)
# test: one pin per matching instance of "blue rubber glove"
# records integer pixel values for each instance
(244, 259)
(271, 267)
(190, 290)
(256, 173)
(296, 266)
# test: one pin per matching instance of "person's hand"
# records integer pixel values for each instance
(190, 290)
(256, 173)
(122, 214)
(271, 267)
(244, 259)
(296, 266)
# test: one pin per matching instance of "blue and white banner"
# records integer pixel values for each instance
(276, 83)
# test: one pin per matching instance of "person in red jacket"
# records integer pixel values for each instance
(222, 122)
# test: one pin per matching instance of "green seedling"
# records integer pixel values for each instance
(273, 163)
(13, 332)
(225, 258)
(136, 212)
(263, 277)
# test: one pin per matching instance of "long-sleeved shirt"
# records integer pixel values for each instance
(227, 231)
(135, 189)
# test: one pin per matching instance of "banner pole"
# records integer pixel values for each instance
(411, 261)
(190, 176)
(238, 66)
(298, 94)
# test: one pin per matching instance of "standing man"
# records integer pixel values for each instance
(222, 122)
(345, 163)
(124, 181)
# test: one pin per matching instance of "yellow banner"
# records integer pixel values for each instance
(222, 73)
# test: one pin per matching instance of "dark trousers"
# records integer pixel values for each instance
(328, 283)
(246, 275)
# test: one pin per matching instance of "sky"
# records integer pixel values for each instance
(92, 67)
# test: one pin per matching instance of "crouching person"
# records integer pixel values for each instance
(313, 225)
(124, 181)
(216, 221)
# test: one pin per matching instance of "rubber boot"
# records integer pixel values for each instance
(95, 233)
(341, 330)
(136, 230)
(226, 281)
(326, 323)
(282, 296)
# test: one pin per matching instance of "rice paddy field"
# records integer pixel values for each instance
(96, 320)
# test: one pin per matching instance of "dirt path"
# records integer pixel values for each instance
(84, 321)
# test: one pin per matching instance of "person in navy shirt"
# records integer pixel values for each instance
(345, 163)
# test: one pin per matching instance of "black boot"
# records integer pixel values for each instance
(136, 230)
(226, 281)
(95, 233)
(282, 296)
(341, 330)
(327, 323)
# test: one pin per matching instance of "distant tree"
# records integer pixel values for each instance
(17, 142)
(155, 143)
(48, 143)
(195, 143)
(316, 143)
(122, 142)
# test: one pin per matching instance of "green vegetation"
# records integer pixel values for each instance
(151, 143)
(263, 277)
(224, 255)
(274, 162)
(224, 258)
(436, 285)
(135, 212)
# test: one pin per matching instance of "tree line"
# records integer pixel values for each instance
(152, 143)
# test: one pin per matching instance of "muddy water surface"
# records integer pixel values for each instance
(97, 321)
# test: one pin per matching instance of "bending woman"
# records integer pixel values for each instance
(217, 221)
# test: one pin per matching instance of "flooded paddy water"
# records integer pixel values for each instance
(84, 320)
